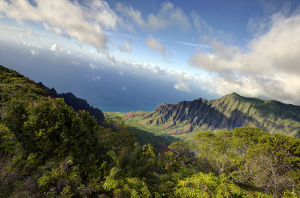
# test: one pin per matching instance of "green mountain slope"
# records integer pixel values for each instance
(15, 88)
(47, 149)
(225, 113)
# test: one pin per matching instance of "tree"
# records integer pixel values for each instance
(52, 129)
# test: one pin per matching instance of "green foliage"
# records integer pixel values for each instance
(132, 163)
(252, 158)
(129, 187)
(48, 150)
(15, 88)
(116, 136)
(207, 185)
(179, 155)
(52, 129)
(7, 141)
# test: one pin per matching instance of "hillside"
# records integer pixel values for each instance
(47, 149)
(225, 113)
(15, 88)
(77, 103)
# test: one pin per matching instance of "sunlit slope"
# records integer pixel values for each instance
(225, 113)
(15, 88)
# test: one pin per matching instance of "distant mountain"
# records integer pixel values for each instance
(225, 113)
(77, 103)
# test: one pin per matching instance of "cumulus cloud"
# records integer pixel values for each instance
(84, 22)
(177, 74)
(182, 86)
(269, 66)
(155, 44)
(277, 49)
(125, 47)
(54, 48)
(168, 15)
(34, 53)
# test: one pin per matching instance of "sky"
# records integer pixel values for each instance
(147, 52)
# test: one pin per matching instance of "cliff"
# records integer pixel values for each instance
(226, 113)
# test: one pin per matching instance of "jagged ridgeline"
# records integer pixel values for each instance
(225, 113)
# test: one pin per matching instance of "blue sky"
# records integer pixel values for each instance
(171, 50)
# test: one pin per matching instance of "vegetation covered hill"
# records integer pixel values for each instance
(77, 103)
(225, 113)
(49, 150)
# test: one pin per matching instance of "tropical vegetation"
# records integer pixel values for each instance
(49, 150)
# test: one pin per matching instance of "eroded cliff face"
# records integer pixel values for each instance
(228, 112)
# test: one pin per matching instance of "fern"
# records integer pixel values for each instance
(115, 173)
(113, 155)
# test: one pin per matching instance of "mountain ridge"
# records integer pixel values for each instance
(226, 113)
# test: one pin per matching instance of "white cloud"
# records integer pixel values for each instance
(97, 78)
(83, 22)
(134, 15)
(182, 86)
(277, 50)
(93, 66)
(31, 45)
(269, 67)
(54, 48)
(93, 77)
(34, 53)
(178, 74)
(168, 15)
(200, 23)
(56, 29)
(24, 43)
(155, 44)
(76, 63)
(121, 73)
(126, 47)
